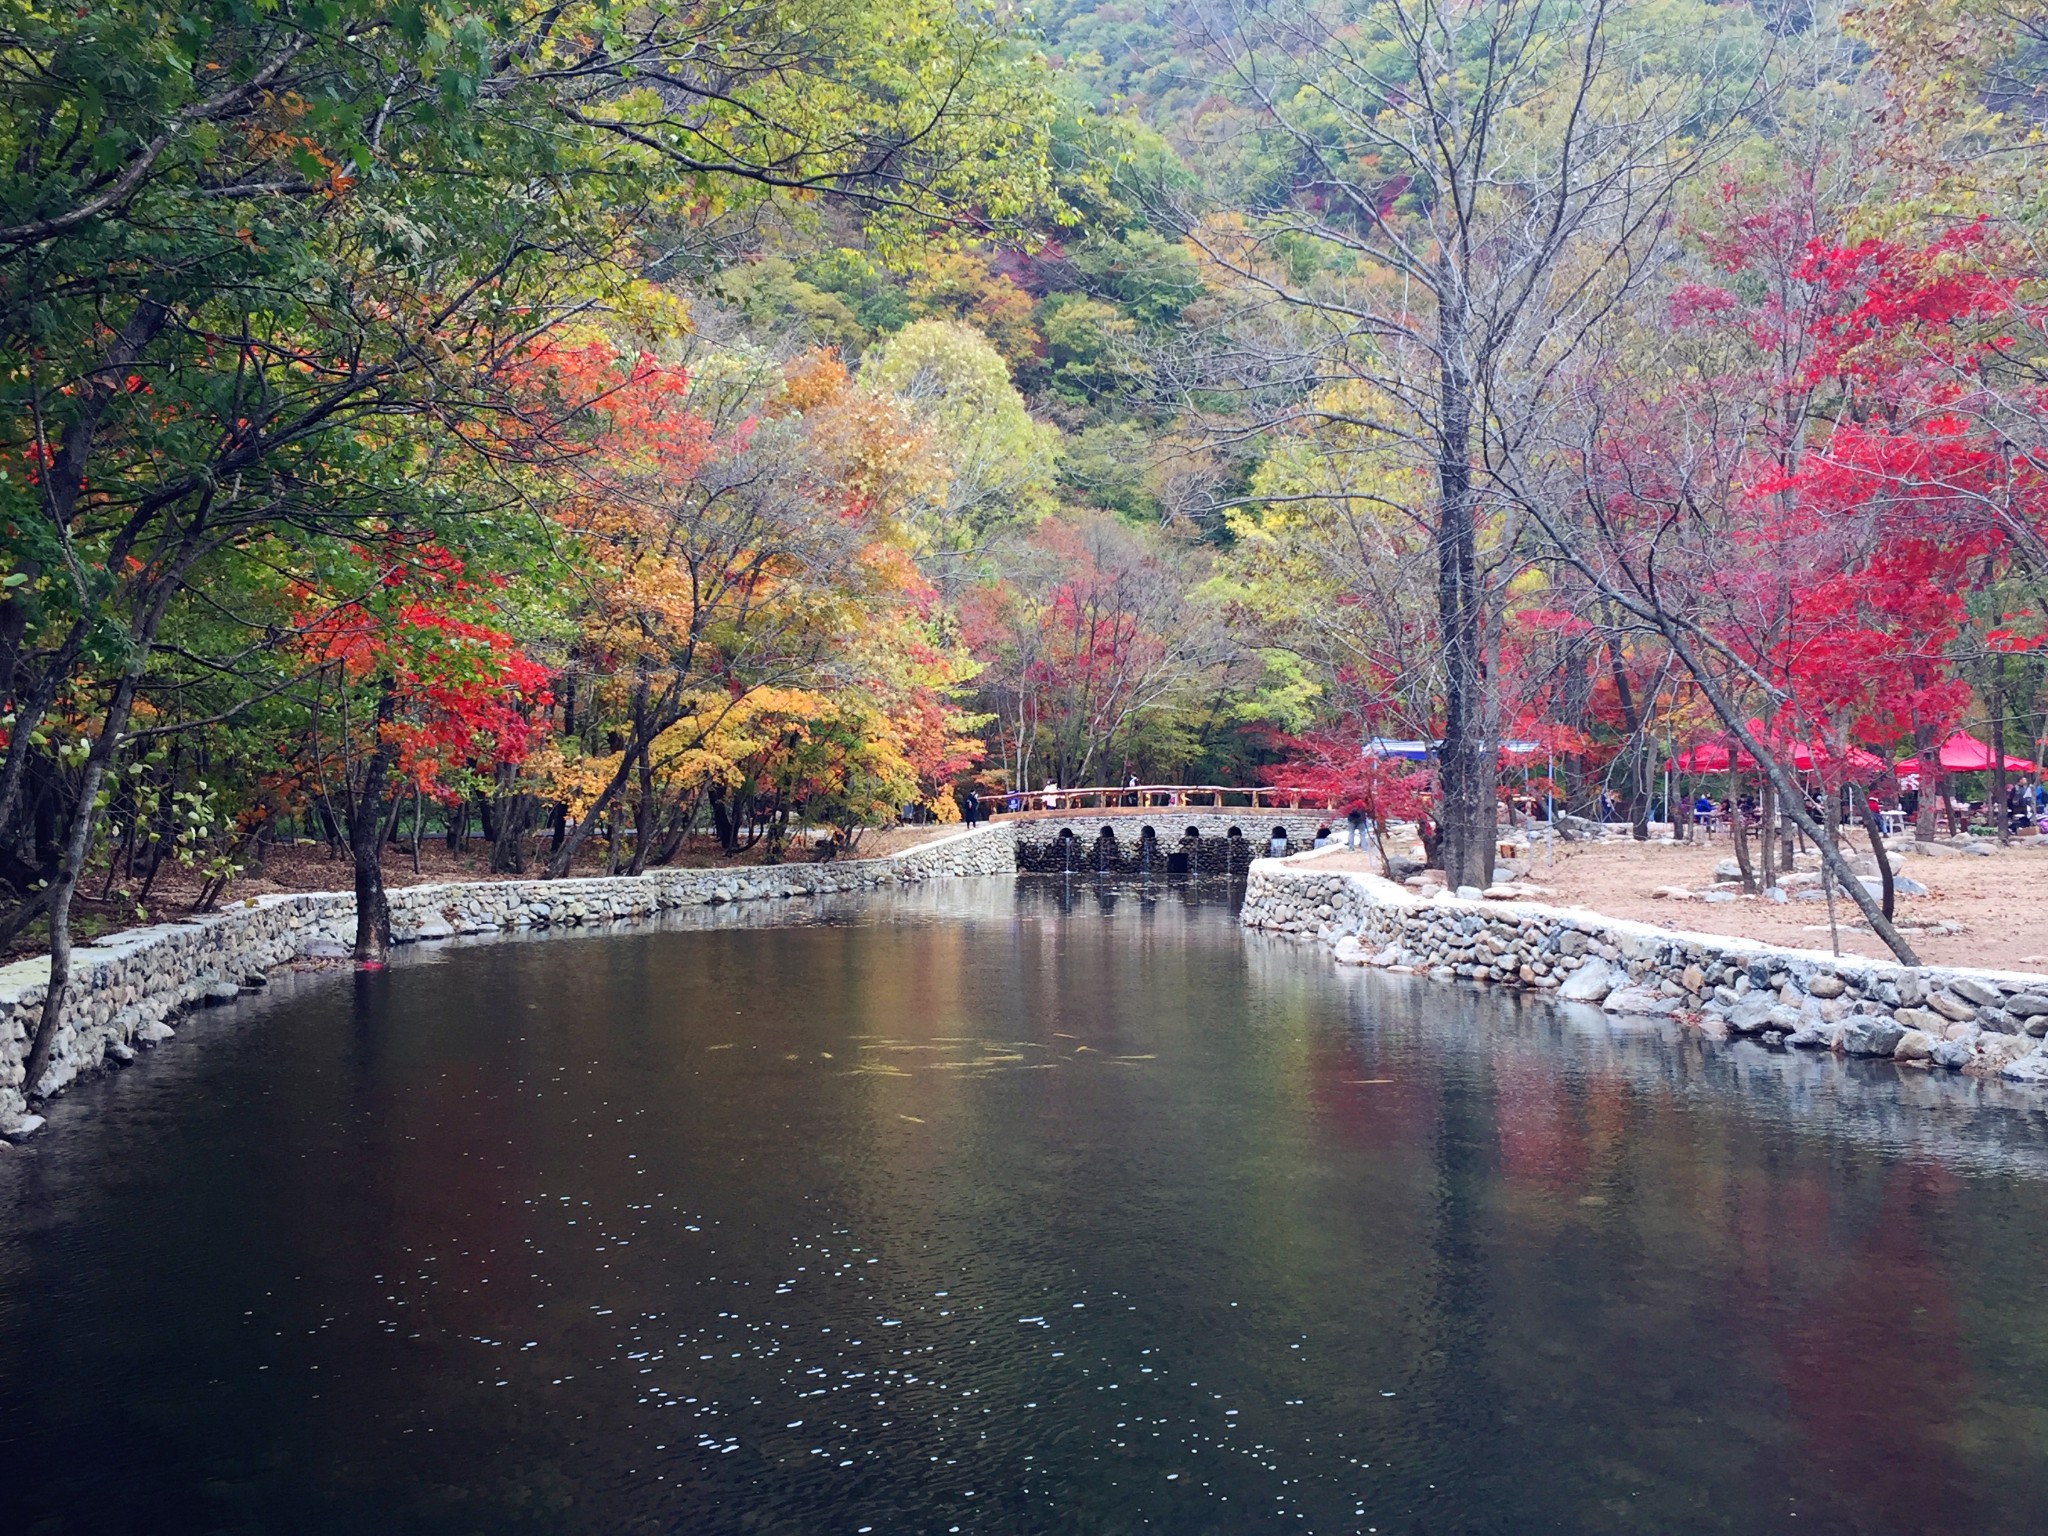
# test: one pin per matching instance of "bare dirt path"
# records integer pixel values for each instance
(2000, 899)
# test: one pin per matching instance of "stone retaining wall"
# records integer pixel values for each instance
(1181, 841)
(1986, 1022)
(128, 987)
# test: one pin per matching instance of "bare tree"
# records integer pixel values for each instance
(1471, 188)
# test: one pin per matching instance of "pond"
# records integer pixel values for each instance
(1007, 1208)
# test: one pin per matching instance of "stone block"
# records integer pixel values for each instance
(1751, 1014)
(1914, 1045)
(1590, 983)
(1872, 1037)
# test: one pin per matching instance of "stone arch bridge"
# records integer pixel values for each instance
(1158, 840)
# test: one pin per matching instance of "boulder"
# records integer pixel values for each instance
(1972, 990)
(1998, 1021)
(1872, 1037)
(1751, 1014)
(2028, 1069)
(2027, 1005)
(1950, 1006)
(1641, 1001)
(1826, 986)
(1994, 1051)
(1906, 885)
(1816, 1037)
(1590, 983)
(1914, 1045)
(1953, 1054)
(1922, 1018)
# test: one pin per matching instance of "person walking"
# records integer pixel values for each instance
(1354, 828)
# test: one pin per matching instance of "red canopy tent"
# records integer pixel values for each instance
(1713, 756)
(1710, 756)
(1861, 765)
(1964, 753)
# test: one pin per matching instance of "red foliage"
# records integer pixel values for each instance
(463, 695)
(1333, 767)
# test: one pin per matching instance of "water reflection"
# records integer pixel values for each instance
(1055, 1206)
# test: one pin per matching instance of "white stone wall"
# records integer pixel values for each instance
(1986, 1022)
(128, 987)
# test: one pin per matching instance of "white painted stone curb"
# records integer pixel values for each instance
(1986, 1022)
(128, 986)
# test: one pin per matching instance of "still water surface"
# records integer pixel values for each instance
(995, 1210)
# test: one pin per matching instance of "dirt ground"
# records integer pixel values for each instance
(2000, 900)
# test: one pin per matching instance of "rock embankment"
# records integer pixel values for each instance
(1986, 1022)
(128, 988)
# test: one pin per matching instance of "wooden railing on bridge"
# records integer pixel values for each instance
(1130, 797)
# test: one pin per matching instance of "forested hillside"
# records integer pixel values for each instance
(571, 433)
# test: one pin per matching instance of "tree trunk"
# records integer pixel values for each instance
(643, 817)
(1638, 742)
(1767, 823)
(2001, 817)
(1738, 731)
(721, 820)
(77, 843)
(1930, 779)
(86, 810)
(1875, 828)
(640, 741)
(366, 820)
(1466, 767)
(1738, 829)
